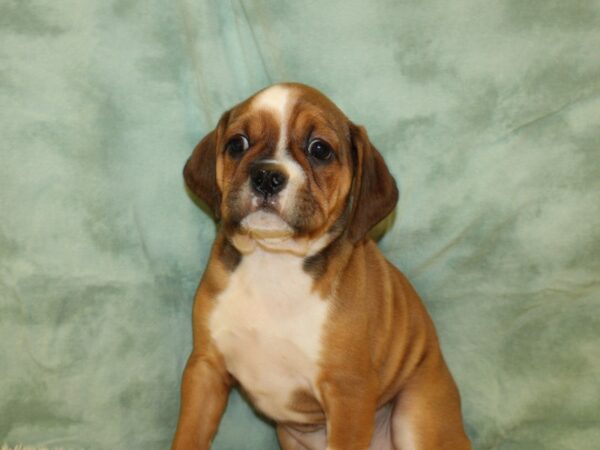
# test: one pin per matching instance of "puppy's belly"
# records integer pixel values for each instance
(267, 325)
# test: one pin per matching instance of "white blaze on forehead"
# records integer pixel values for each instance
(274, 99)
(278, 100)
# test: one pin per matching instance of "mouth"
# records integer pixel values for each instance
(265, 223)
(266, 203)
(266, 229)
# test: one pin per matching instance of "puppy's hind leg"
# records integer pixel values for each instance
(426, 414)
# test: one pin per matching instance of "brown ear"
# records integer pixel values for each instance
(374, 191)
(200, 171)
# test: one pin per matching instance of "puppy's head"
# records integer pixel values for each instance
(287, 170)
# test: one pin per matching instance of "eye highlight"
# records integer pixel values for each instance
(319, 150)
(237, 145)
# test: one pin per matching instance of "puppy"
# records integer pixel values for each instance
(297, 305)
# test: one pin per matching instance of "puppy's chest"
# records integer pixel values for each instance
(268, 325)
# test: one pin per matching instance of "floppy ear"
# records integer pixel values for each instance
(374, 191)
(200, 171)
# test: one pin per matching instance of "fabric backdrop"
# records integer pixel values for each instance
(487, 114)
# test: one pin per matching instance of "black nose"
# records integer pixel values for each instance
(267, 180)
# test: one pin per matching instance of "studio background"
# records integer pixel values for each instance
(487, 114)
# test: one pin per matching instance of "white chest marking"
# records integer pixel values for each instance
(268, 326)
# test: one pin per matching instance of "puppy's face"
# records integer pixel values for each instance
(287, 170)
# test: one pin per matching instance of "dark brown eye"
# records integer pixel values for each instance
(237, 145)
(320, 150)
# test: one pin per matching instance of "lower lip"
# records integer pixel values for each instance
(264, 224)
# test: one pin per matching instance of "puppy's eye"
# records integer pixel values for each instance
(237, 145)
(320, 150)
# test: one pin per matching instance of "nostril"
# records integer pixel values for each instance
(258, 177)
(267, 182)
(276, 180)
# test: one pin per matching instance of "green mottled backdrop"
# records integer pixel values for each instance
(488, 114)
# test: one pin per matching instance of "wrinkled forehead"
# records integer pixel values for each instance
(284, 105)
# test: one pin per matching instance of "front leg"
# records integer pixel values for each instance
(350, 411)
(204, 392)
